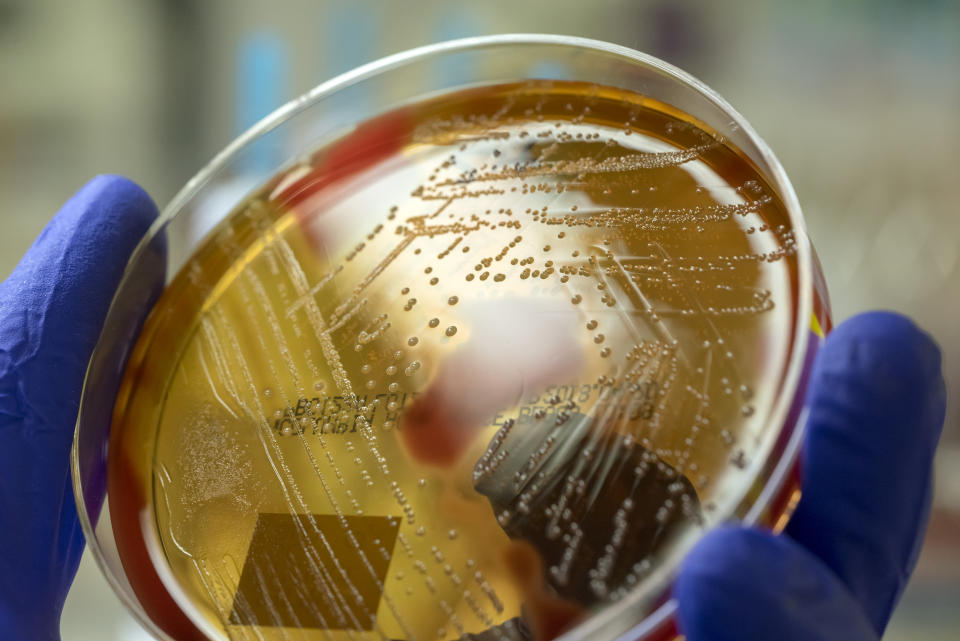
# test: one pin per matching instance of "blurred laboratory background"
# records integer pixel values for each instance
(859, 99)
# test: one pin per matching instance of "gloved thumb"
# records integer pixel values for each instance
(53, 304)
(749, 585)
(52, 308)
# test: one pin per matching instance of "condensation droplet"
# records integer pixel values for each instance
(434, 322)
(450, 331)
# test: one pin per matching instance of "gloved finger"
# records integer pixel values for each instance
(877, 405)
(748, 585)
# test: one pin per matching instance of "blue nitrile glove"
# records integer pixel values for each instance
(877, 403)
(51, 311)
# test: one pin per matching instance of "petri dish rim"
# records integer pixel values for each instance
(620, 619)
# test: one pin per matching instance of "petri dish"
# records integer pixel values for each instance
(472, 342)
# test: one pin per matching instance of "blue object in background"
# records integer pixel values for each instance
(262, 85)
(452, 23)
(549, 70)
(350, 36)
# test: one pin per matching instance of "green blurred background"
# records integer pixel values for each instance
(859, 99)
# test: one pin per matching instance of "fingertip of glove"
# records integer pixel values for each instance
(114, 193)
(883, 340)
(114, 183)
(883, 365)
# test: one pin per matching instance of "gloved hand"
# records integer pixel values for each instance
(51, 311)
(877, 403)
